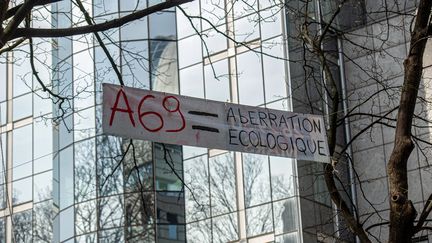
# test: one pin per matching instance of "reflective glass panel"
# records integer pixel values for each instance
(139, 209)
(138, 234)
(66, 223)
(164, 70)
(138, 167)
(171, 233)
(43, 214)
(42, 104)
(199, 232)
(285, 215)
(256, 179)
(287, 238)
(274, 70)
(270, 22)
(85, 170)
(282, 178)
(3, 113)
(22, 226)
(42, 186)
(66, 178)
(2, 230)
(214, 40)
(42, 138)
(112, 235)
(169, 167)
(85, 217)
(213, 13)
(163, 25)
(22, 191)
(134, 30)
(22, 77)
(42, 54)
(259, 220)
(111, 212)
(222, 184)
(247, 28)
(217, 82)
(225, 228)
(185, 55)
(109, 169)
(3, 90)
(184, 25)
(135, 64)
(83, 73)
(189, 152)
(22, 152)
(192, 82)
(132, 5)
(84, 123)
(198, 192)
(250, 81)
(22, 106)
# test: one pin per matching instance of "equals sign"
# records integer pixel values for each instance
(204, 128)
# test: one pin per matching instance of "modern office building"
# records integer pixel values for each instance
(62, 180)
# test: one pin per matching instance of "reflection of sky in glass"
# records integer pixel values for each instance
(217, 83)
(250, 79)
(282, 180)
(22, 152)
(192, 82)
(285, 215)
(22, 191)
(22, 107)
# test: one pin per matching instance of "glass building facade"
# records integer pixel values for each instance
(62, 180)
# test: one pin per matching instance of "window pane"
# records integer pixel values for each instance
(287, 238)
(22, 226)
(135, 64)
(3, 90)
(222, 184)
(22, 152)
(138, 167)
(84, 123)
(170, 208)
(225, 228)
(167, 158)
(42, 104)
(171, 233)
(192, 82)
(22, 107)
(66, 223)
(184, 26)
(42, 186)
(109, 175)
(22, 77)
(2, 230)
(214, 40)
(162, 25)
(185, 55)
(22, 191)
(282, 178)
(43, 138)
(85, 171)
(164, 66)
(43, 214)
(3, 113)
(259, 220)
(111, 212)
(246, 28)
(274, 70)
(135, 30)
(217, 83)
(66, 178)
(199, 232)
(250, 79)
(256, 179)
(85, 220)
(285, 215)
(270, 22)
(131, 5)
(198, 197)
(213, 11)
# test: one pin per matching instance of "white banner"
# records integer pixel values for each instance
(175, 119)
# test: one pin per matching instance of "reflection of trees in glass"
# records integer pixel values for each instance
(22, 226)
(222, 184)
(43, 214)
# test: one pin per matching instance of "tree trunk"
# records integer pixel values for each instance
(402, 212)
